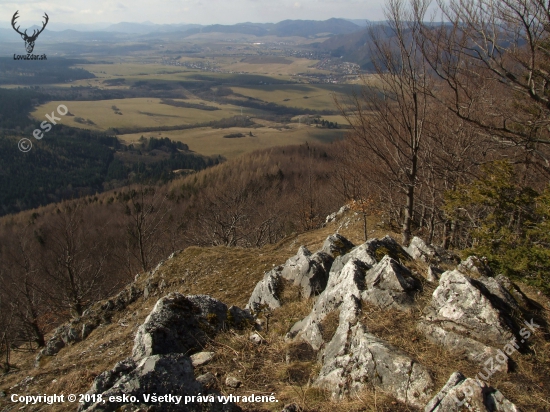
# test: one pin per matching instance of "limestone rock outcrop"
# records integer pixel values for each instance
(469, 316)
(177, 327)
(181, 324)
(308, 270)
(461, 393)
(267, 291)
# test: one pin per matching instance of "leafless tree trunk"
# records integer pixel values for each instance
(388, 118)
(148, 212)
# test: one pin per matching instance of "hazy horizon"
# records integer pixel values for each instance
(103, 12)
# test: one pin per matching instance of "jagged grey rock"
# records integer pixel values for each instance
(181, 324)
(418, 249)
(463, 305)
(475, 265)
(467, 319)
(454, 380)
(160, 374)
(343, 286)
(201, 358)
(389, 285)
(334, 215)
(355, 358)
(174, 325)
(309, 271)
(459, 345)
(433, 274)
(336, 245)
(461, 393)
(362, 253)
(267, 291)
(371, 252)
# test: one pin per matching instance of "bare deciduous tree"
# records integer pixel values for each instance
(73, 260)
(388, 117)
(494, 60)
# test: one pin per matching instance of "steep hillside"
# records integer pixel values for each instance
(303, 350)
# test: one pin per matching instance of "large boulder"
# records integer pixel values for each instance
(266, 292)
(309, 271)
(465, 317)
(182, 324)
(461, 393)
(463, 305)
(160, 364)
(132, 382)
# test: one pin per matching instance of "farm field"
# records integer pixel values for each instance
(126, 69)
(273, 65)
(198, 79)
(304, 96)
(139, 112)
(208, 141)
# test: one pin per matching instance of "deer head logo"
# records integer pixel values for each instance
(29, 40)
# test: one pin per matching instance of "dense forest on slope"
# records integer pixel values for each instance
(68, 162)
(53, 70)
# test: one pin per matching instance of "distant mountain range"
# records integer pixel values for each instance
(99, 31)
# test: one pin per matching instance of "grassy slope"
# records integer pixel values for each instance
(230, 275)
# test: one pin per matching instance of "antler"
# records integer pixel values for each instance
(35, 33)
(15, 16)
(43, 25)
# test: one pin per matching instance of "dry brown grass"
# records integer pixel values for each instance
(527, 384)
(230, 274)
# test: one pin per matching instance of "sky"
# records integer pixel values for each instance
(186, 11)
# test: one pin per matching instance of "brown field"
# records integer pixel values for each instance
(208, 141)
(139, 112)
